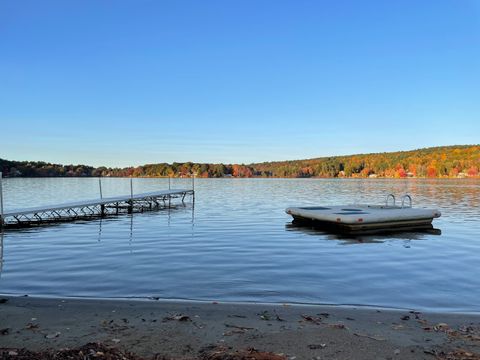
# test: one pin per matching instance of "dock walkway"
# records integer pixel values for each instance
(101, 207)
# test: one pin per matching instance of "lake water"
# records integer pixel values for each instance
(237, 244)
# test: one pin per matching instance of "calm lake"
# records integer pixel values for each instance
(237, 244)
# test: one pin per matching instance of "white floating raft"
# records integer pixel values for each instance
(367, 218)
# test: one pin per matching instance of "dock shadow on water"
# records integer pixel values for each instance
(332, 233)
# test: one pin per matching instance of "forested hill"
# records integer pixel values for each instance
(447, 161)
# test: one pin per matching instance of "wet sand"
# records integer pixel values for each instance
(182, 330)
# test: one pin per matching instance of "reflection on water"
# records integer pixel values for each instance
(1, 252)
(238, 244)
(356, 239)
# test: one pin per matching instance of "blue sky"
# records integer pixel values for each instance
(122, 83)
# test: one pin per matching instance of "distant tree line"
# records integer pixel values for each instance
(447, 161)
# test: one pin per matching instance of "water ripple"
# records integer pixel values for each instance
(237, 244)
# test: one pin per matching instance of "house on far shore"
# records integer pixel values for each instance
(373, 176)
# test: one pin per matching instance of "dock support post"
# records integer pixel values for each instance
(100, 187)
(102, 206)
(130, 207)
(1, 250)
(1, 200)
(169, 182)
(131, 188)
(193, 188)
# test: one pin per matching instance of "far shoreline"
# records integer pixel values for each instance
(245, 178)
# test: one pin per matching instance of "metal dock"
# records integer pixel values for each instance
(95, 208)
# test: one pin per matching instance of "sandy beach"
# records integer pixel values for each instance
(190, 330)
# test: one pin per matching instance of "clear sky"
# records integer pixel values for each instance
(122, 83)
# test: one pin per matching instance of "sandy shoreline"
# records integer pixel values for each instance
(183, 329)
